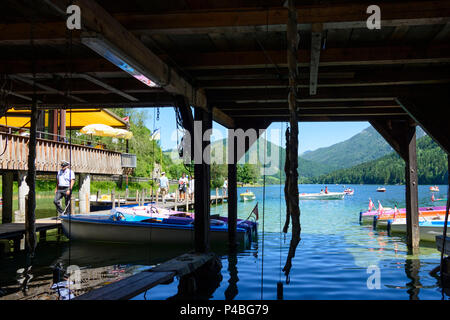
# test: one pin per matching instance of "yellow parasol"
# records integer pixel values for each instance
(103, 130)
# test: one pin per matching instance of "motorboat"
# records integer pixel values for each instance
(381, 189)
(434, 189)
(322, 196)
(349, 191)
(247, 196)
(148, 224)
(391, 213)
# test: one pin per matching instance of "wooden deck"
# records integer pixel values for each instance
(130, 287)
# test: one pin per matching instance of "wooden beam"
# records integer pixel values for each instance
(232, 191)
(247, 20)
(380, 55)
(428, 111)
(389, 130)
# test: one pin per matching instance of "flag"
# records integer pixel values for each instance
(156, 135)
(255, 212)
(395, 211)
(371, 205)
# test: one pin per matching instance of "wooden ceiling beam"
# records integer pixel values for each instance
(233, 20)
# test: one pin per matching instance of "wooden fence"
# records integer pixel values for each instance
(50, 153)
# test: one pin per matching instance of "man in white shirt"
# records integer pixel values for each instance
(65, 179)
(225, 187)
(163, 186)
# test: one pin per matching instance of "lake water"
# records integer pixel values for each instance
(334, 259)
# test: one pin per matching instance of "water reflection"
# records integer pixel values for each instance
(232, 289)
(412, 269)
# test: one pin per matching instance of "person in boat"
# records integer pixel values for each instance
(163, 186)
(182, 185)
(326, 189)
(321, 191)
(65, 179)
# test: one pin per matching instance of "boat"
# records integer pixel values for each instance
(322, 196)
(381, 189)
(434, 189)
(428, 229)
(247, 196)
(439, 244)
(389, 213)
(349, 191)
(122, 225)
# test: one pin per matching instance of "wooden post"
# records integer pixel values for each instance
(113, 198)
(412, 207)
(84, 192)
(30, 218)
(118, 200)
(202, 191)
(232, 192)
(98, 194)
(176, 200)
(217, 196)
(137, 197)
(7, 196)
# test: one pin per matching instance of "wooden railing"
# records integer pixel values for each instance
(50, 153)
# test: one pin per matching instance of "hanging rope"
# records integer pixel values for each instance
(264, 207)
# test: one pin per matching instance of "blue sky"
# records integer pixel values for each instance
(312, 135)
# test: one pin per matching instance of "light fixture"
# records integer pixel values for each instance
(116, 56)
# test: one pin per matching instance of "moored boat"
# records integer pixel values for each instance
(247, 196)
(381, 189)
(428, 229)
(434, 189)
(322, 196)
(390, 213)
(148, 225)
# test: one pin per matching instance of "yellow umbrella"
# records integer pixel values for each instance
(103, 130)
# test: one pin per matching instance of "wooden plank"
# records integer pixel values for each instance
(184, 264)
(128, 288)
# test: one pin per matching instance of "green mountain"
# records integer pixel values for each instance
(390, 169)
(365, 146)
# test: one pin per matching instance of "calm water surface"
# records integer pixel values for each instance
(331, 260)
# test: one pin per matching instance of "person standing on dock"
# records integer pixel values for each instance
(225, 187)
(163, 186)
(65, 179)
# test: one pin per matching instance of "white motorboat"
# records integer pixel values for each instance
(322, 196)
(429, 229)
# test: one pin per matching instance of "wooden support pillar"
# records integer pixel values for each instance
(411, 180)
(401, 135)
(7, 196)
(202, 179)
(84, 192)
(232, 191)
(62, 123)
(53, 124)
(113, 198)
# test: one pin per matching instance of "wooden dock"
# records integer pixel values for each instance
(163, 273)
(16, 231)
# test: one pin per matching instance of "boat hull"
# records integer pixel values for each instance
(322, 196)
(248, 198)
(428, 230)
(101, 229)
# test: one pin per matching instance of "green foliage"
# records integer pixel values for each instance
(248, 173)
(218, 174)
(390, 169)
